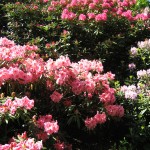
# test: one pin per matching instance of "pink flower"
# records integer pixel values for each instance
(42, 119)
(50, 8)
(5, 147)
(110, 76)
(132, 66)
(91, 15)
(68, 15)
(108, 97)
(128, 14)
(98, 17)
(131, 95)
(115, 110)
(141, 74)
(6, 43)
(133, 51)
(90, 123)
(82, 17)
(3, 109)
(141, 16)
(35, 7)
(95, 1)
(101, 17)
(20, 144)
(120, 11)
(100, 118)
(92, 6)
(45, 1)
(51, 127)
(106, 5)
(90, 85)
(56, 97)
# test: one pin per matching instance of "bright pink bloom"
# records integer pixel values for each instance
(106, 5)
(5, 147)
(92, 6)
(91, 15)
(96, 1)
(101, 17)
(128, 14)
(56, 96)
(42, 119)
(100, 118)
(107, 97)
(51, 127)
(82, 17)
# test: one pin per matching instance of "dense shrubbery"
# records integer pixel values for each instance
(58, 90)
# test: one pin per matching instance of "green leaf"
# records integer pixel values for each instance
(143, 111)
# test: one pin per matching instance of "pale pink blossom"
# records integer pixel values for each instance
(51, 127)
(132, 66)
(133, 51)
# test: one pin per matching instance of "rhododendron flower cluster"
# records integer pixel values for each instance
(23, 143)
(129, 91)
(56, 97)
(132, 91)
(92, 122)
(11, 106)
(19, 63)
(108, 96)
(47, 124)
(143, 73)
(79, 76)
(10, 51)
(132, 66)
(133, 51)
(115, 110)
(144, 44)
(142, 48)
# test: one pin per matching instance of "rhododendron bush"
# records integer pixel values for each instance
(74, 74)
(34, 90)
(135, 95)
